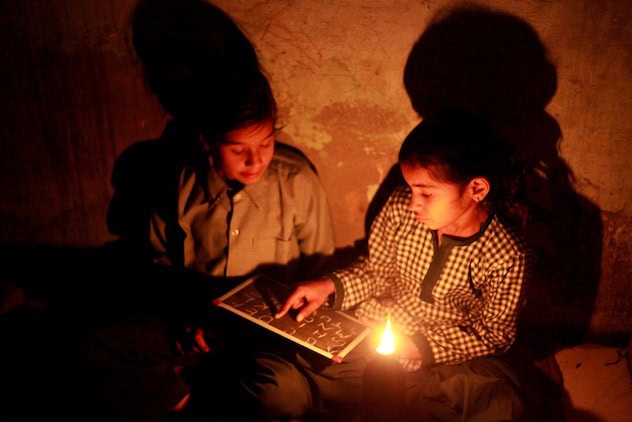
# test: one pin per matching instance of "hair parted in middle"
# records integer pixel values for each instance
(457, 146)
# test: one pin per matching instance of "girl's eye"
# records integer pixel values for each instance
(425, 195)
(238, 150)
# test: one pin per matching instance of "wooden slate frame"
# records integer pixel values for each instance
(328, 332)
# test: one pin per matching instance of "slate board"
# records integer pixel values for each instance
(331, 333)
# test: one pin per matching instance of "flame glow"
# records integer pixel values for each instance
(387, 345)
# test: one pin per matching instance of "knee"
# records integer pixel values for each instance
(287, 399)
(278, 390)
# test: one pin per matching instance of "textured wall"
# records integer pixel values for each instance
(73, 100)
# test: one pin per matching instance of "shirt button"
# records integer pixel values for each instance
(234, 232)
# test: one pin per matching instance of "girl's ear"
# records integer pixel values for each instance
(478, 188)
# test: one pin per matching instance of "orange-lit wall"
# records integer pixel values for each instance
(73, 100)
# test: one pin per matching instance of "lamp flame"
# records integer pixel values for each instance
(387, 345)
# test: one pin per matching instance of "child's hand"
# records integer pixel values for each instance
(307, 297)
(192, 341)
(405, 348)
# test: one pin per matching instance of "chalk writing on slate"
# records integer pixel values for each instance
(331, 333)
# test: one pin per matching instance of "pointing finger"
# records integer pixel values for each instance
(293, 301)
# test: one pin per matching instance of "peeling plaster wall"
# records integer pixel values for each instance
(73, 100)
(337, 69)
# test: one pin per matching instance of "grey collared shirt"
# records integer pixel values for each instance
(281, 225)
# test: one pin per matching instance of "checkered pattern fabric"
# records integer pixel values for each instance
(477, 297)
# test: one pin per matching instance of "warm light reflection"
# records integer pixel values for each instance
(387, 345)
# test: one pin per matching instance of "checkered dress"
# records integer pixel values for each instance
(472, 307)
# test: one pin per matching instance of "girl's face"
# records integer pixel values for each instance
(442, 206)
(246, 153)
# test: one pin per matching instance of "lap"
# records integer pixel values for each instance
(485, 389)
(481, 389)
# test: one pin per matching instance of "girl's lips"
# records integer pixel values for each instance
(421, 218)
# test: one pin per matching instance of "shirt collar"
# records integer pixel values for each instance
(218, 188)
(462, 241)
(257, 192)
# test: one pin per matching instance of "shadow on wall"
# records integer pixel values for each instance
(494, 64)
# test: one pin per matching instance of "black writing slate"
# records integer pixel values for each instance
(331, 333)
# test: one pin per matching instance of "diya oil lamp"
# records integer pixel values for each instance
(384, 382)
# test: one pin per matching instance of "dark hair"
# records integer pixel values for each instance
(251, 102)
(458, 146)
(200, 65)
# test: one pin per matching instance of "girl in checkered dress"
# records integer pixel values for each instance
(446, 262)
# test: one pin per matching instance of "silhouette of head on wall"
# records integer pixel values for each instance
(196, 60)
(482, 60)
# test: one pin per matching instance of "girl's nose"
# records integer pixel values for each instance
(414, 204)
